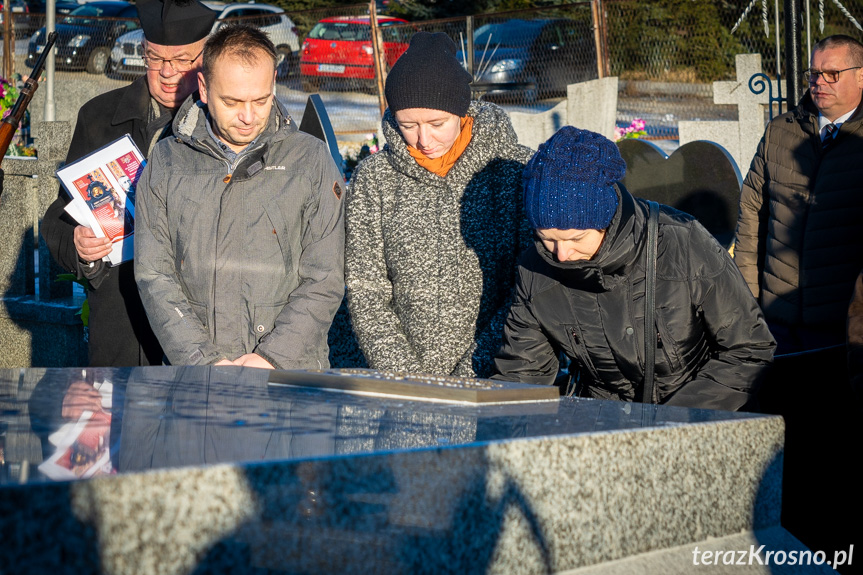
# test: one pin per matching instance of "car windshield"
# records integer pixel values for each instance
(340, 31)
(89, 14)
(508, 34)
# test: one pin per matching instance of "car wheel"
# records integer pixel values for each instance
(284, 63)
(97, 63)
(310, 84)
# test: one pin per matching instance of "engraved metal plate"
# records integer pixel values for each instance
(418, 386)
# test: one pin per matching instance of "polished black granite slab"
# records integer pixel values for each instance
(212, 470)
(170, 417)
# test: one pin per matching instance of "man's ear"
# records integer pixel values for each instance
(202, 87)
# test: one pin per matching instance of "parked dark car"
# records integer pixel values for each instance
(34, 16)
(534, 58)
(60, 7)
(20, 15)
(86, 35)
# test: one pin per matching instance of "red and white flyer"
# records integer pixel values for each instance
(83, 446)
(102, 188)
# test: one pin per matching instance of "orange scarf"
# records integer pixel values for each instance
(441, 166)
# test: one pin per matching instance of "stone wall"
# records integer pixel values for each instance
(38, 325)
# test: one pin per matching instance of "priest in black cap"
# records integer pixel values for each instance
(175, 32)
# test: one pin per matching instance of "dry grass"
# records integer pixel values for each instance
(682, 75)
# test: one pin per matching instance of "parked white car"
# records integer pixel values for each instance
(127, 56)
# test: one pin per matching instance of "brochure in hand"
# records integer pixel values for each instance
(102, 188)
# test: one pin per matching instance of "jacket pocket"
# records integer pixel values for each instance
(201, 312)
(579, 353)
(186, 232)
(265, 320)
(280, 231)
(667, 357)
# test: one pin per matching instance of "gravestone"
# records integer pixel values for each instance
(38, 325)
(590, 105)
(739, 138)
(316, 122)
(699, 178)
(207, 469)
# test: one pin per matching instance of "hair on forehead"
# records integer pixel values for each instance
(246, 43)
(855, 48)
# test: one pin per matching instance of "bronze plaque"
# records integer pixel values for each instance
(418, 386)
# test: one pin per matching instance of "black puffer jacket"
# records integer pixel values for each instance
(713, 345)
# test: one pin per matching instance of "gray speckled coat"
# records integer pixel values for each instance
(430, 262)
(251, 263)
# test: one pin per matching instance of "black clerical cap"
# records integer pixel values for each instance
(175, 22)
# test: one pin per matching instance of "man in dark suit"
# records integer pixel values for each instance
(175, 32)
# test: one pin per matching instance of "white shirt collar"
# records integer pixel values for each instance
(823, 121)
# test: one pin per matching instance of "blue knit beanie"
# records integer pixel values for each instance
(568, 184)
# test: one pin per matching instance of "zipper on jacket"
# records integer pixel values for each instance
(812, 121)
(215, 153)
(227, 180)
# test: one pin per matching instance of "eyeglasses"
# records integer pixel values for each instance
(830, 76)
(178, 65)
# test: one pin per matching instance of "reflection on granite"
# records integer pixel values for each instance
(215, 471)
(415, 386)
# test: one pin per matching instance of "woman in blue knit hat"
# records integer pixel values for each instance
(583, 288)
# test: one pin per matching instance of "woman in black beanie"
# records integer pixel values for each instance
(582, 290)
(434, 222)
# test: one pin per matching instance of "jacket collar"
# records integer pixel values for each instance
(491, 132)
(190, 123)
(619, 251)
(134, 103)
(806, 110)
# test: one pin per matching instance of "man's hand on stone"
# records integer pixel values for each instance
(89, 247)
(253, 360)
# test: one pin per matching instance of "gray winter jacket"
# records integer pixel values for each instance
(430, 262)
(238, 259)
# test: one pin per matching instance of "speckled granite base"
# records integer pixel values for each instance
(740, 554)
(529, 505)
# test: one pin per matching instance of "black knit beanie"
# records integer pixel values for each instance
(428, 75)
(569, 182)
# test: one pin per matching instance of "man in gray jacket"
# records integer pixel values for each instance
(240, 237)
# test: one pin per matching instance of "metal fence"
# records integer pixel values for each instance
(665, 52)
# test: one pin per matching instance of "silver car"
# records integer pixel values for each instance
(127, 56)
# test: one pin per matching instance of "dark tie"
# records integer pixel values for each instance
(829, 133)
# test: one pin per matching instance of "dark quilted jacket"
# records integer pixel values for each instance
(799, 238)
(713, 346)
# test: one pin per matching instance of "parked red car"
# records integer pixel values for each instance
(341, 47)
